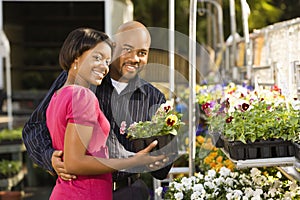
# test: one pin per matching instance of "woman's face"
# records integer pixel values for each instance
(93, 64)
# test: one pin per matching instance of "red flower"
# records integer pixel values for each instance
(229, 119)
(205, 106)
(245, 106)
(167, 108)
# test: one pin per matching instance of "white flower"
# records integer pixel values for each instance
(257, 192)
(187, 183)
(219, 181)
(178, 195)
(255, 172)
(233, 185)
(224, 171)
(229, 182)
(248, 192)
(211, 173)
(295, 104)
(196, 195)
(178, 186)
(198, 187)
(272, 192)
(165, 107)
(199, 175)
(278, 174)
(158, 191)
(234, 195)
(210, 185)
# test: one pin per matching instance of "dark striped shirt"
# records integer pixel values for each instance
(137, 102)
(35, 133)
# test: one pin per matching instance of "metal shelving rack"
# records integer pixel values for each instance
(287, 165)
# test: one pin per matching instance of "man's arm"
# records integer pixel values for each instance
(38, 144)
(35, 133)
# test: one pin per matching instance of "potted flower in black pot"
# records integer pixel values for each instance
(255, 124)
(163, 127)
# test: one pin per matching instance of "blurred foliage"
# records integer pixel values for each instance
(9, 168)
(154, 13)
(14, 134)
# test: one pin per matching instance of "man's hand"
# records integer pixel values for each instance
(59, 167)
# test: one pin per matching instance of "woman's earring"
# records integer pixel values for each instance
(75, 67)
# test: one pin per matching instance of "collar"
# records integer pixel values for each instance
(135, 84)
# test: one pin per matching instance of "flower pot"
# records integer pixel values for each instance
(167, 144)
(10, 195)
(217, 140)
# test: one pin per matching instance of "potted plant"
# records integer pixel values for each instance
(8, 170)
(163, 126)
(254, 123)
(13, 136)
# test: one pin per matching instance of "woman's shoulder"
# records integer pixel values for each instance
(76, 90)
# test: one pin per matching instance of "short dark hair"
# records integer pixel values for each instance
(78, 41)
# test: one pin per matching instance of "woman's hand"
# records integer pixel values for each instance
(152, 162)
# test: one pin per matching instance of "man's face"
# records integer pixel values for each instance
(131, 54)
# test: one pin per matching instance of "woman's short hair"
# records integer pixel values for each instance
(78, 41)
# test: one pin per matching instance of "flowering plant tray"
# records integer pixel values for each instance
(297, 150)
(272, 148)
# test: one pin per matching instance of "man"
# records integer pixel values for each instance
(122, 96)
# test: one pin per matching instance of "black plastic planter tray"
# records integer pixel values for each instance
(260, 149)
(297, 150)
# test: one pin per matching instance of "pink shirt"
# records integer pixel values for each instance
(79, 105)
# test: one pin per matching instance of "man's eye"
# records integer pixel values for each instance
(142, 53)
(127, 50)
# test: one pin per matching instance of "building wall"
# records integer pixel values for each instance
(36, 31)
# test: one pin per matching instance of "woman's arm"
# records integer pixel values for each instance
(76, 161)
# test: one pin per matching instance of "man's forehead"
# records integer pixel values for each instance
(137, 38)
(134, 44)
(141, 46)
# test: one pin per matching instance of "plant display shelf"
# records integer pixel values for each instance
(287, 165)
(262, 162)
(8, 183)
(16, 151)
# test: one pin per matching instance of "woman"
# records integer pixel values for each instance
(77, 125)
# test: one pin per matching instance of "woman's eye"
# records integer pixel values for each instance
(98, 58)
(107, 62)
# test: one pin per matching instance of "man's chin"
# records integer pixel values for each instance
(129, 75)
